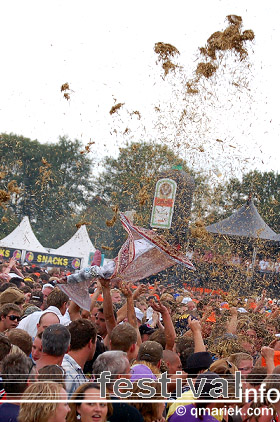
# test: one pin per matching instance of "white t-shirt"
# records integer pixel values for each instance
(30, 322)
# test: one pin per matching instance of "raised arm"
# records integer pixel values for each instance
(195, 327)
(74, 309)
(108, 310)
(131, 316)
(122, 312)
(268, 354)
(169, 329)
(232, 323)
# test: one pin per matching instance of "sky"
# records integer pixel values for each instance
(104, 51)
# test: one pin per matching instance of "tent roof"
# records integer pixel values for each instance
(78, 245)
(247, 222)
(22, 237)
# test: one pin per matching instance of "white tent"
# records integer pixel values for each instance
(79, 245)
(22, 237)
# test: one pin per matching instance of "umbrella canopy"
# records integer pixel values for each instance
(245, 222)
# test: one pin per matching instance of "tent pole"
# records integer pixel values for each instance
(253, 265)
(254, 260)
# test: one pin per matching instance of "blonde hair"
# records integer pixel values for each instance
(39, 412)
(236, 358)
(223, 367)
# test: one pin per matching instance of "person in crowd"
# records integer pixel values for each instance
(10, 315)
(21, 339)
(124, 337)
(16, 373)
(55, 344)
(116, 296)
(83, 411)
(243, 362)
(101, 323)
(46, 290)
(27, 291)
(46, 320)
(82, 349)
(37, 347)
(53, 373)
(37, 299)
(5, 349)
(190, 412)
(5, 346)
(12, 295)
(56, 303)
(196, 364)
(151, 352)
(47, 411)
(149, 409)
(145, 332)
(117, 363)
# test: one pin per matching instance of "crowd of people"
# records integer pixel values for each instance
(263, 264)
(144, 352)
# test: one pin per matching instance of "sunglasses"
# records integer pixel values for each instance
(14, 318)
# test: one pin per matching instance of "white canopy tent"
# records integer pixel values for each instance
(22, 237)
(79, 245)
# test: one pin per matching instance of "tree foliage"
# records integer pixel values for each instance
(53, 180)
(264, 188)
(128, 181)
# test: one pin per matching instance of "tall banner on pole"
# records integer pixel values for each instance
(163, 205)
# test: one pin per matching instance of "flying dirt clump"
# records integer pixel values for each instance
(206, 69)
(232, 38)
(165, 51)
(115, 108)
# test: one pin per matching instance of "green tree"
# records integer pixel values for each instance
(264, 188)
(54, 181)
(128, 181)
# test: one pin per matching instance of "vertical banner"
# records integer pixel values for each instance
(163, 205)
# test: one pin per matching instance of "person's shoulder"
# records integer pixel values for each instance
(29, 318)
(124, 411)
(9, 412)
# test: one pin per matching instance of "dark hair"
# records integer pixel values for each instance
(102, 311)
(256, 376)
(53, 373)
(22, 339)
(205, 393)
(37, 298)
(56, 340)
(57, 298)
(45, 277)
(122, 337)
(26, 289)
(5, 286)
(5, 346)
(15, 370)
(8, 307)
(82, 331)
(17, 281)
(158, 336)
